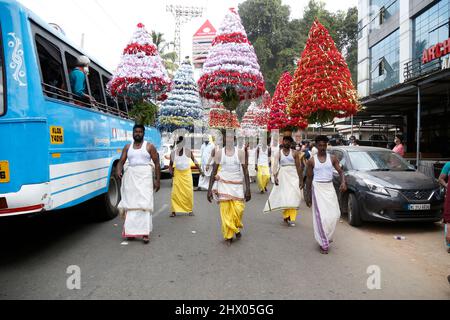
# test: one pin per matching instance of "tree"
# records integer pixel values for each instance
(322, 88)
(169, 57)
(278, 40)
(183, 107)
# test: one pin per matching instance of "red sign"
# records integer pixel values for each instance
(206, 29)
(435, 52)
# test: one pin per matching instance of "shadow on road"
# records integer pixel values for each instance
(399, 228)
(22, 236)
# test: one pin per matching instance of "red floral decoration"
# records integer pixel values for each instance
(279, 117)
(322, 88)
(220, 118)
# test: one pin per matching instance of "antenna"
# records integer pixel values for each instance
(182, 14)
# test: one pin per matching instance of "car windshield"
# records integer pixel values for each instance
(377, 161)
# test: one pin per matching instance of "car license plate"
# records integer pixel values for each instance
(4, 172)
(419, 207)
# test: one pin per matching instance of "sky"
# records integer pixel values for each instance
(108, 25)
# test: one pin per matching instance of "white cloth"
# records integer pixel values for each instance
(231, 183)
(203, 181)
(263, 157)
(137, 201)
(326, 212)
(275, 156)
(182, 162)
(138, 157)
(252, 162)
(323, 172)
(287, 194)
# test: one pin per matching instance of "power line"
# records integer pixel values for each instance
(114, 22)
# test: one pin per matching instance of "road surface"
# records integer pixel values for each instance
(187, 259)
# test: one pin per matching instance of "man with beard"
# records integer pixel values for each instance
(321, 195)
(138, 185)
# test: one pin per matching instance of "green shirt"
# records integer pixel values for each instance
(446, 169)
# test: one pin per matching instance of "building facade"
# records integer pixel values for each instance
(403, 69)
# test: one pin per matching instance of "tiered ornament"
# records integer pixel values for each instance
(322, 88)
(183, 108)
(279, 117)
(221, 118)
(248, 123)
(262, 112)
(141, 73)
(231, 73)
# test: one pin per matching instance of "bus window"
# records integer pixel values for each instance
(2, 79)
(109, 101)
(72, 64)
(122, 104)
(51, 68)
(96, 85)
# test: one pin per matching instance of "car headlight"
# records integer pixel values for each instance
(375, 188)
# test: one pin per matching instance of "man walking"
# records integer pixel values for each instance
(138, 185)
(229, 187)
(288, 172)
(205, 151)
(321, 195)
(263, 154)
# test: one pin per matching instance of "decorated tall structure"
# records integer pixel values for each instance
(183, 108)
(322, 88)
(279, 117)
(141, 73)
(231, 73)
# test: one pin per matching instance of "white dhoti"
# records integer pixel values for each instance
(287, 194)
(137, 201)
(326, 212)
(203, 181)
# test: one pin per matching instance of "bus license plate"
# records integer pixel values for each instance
(4, 172)
(419, 207)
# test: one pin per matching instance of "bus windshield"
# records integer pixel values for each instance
(2, 78)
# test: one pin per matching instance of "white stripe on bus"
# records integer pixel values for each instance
(76, 193)
(66, 169)
(76, 180)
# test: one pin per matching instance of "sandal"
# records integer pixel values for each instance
(146, 240)
(173, 215)
(323, 251)
(238, 236)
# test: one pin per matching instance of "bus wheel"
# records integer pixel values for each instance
(107, 203)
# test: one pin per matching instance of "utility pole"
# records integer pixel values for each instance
(182, 14)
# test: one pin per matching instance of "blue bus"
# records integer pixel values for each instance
(55, 152)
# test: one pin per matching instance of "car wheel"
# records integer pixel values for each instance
(354, 216)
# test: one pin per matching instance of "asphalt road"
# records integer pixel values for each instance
(271, 261)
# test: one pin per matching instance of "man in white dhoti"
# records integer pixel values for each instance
(288, 173)
(321, 195)
(206, 160)
(138, 185)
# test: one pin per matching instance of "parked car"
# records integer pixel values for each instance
(382, 186)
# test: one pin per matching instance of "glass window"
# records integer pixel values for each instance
(384, 63)
(377, 161)
(381, 11)
(109, 101)
(52, 69)
(431, 27)
(96, 85)
(2, 79)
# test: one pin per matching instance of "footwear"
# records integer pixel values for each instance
(323, 251)
(286, 221)
(146, 240)
(228, 242)
(173, 215)
(291, 224)
(238, 236)
(191, 214)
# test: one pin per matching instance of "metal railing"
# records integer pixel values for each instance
(60, 94)
(415, 69)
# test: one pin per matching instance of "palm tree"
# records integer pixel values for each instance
(169, 57)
